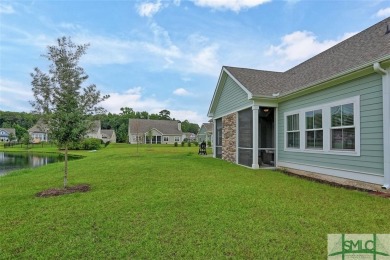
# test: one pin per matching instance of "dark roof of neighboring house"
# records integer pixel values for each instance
(166, 127)
(107, 133)
(364, 48)
(9, 130)
(208, 126)
(39, 127)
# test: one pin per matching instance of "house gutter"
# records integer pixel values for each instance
(386, 121)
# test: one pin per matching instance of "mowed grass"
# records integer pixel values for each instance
(168, 202)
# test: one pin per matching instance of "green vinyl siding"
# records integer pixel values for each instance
(369, 88)
(232, 99)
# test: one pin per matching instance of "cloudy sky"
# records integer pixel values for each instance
(154, 55)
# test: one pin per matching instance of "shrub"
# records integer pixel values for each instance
(208, 143)
(189, 144)
(196, 143)
(175, 144)
(106, 143)
(91, 144)
(182, 144)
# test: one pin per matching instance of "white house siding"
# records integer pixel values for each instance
(231, 99)
(369, 165)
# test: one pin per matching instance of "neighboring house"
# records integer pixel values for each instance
(162, 131)
(189, 136)
(206, 133)
(39, 132)
(5, 132)
(108, 136)
(95, 130)
(328, 115)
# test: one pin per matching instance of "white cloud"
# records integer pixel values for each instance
(133, 98)
(301, 45)
(15, 95)
(149, 9)
(385, 12)
(190, 115)
(234, 5)
(206, 61)
(181, 92)
(6, 9)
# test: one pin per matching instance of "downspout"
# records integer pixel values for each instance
(386, 121)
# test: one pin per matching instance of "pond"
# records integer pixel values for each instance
(10, 161)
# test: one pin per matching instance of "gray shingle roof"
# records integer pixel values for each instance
(9, 130)
(361, 49)
(95, 127)
(39, 127)
(208, 127)
(167, 127)
(107, 133)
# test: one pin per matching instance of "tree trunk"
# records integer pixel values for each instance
(66, 167)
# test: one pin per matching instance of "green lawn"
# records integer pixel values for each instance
(168, 202)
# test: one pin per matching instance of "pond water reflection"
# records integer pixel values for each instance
(10, 161)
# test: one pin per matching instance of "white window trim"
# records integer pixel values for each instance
(167, 139)
(286, 114)
(177, 139)
(315, 129)
(326, 126)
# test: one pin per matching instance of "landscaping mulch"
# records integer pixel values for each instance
(57, 192)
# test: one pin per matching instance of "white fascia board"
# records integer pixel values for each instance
(216, 93)
(386, 127)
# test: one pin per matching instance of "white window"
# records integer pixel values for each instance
(314, 134)
(342, 127)
(177, 139)
(293, 134)
(331, 128)
(165, 138)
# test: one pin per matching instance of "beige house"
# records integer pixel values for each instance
(154, 131)
(108, 136)
(39, 132)
(95, 130)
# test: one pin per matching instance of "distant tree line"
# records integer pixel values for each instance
(22, 121)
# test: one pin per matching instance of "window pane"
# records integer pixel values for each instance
(337, 139)
(289, 123)
(318, 119)
(310, 139)
(349, 138)
(296, 122)
(336, 116)
(309, 120)
(290, 139)
(319, 138)
(296, 139)
(347, 114)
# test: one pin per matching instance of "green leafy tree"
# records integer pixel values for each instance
(20, 131)
(164, 115)
(26, 139)
(65, 105)
(11, 137)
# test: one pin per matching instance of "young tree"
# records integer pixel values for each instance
(65, 105)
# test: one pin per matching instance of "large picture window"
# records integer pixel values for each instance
(314, 132)
(293, 134)
(343, 128)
